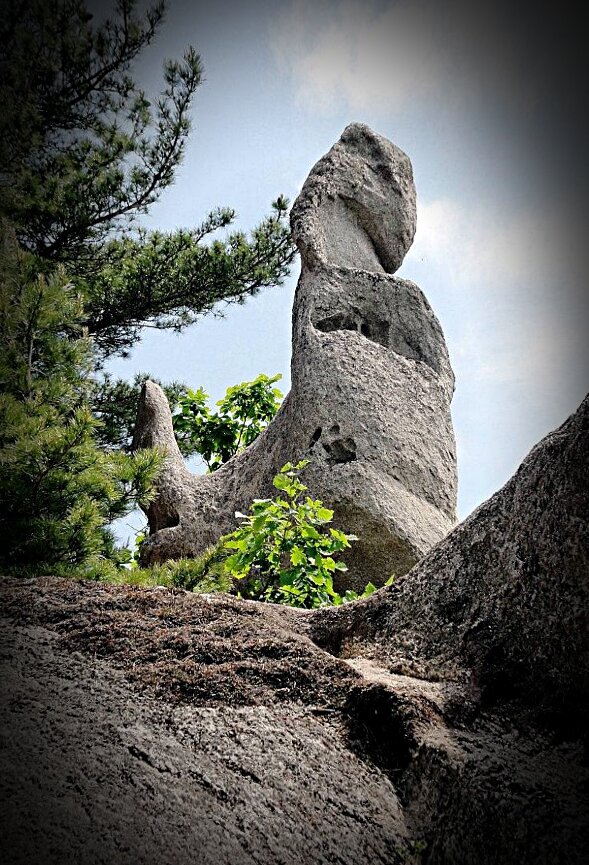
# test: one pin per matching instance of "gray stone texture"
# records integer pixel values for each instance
(503, 602)
(371, 384)
(452, 708)
(357, 207)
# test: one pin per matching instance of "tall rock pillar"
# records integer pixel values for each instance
(371, 383)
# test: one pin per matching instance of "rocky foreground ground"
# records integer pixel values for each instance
(442, 720)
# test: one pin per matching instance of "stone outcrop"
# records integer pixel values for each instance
(504, 600)
(371, 383)
(449, 710)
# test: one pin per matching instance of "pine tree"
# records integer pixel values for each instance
(84, 152)
(58, 490)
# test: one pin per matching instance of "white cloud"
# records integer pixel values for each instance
(499, 284)
(361, 53)
(512, 247)
(501, 299)
(365, 55)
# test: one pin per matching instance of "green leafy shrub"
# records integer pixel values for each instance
(245, 410)
(284, 551)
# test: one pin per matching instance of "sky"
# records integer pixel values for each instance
(484, 103)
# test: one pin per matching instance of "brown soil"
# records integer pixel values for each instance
(209, 650)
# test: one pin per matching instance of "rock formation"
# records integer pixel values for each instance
(450, 710)
(371, 383)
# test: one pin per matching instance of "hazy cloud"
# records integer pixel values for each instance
(503, 280)
(375, 56)
(483, 246)
(361, 54)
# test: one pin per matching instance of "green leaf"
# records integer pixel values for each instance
(286, 579)
(329, 564)
(259, 522)
(234, 543)
(297, 556)
(324, 514)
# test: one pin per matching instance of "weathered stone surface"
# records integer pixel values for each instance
(503, 601)
(94, 771)
(371, 383)
(152, 725)
(357, 207)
